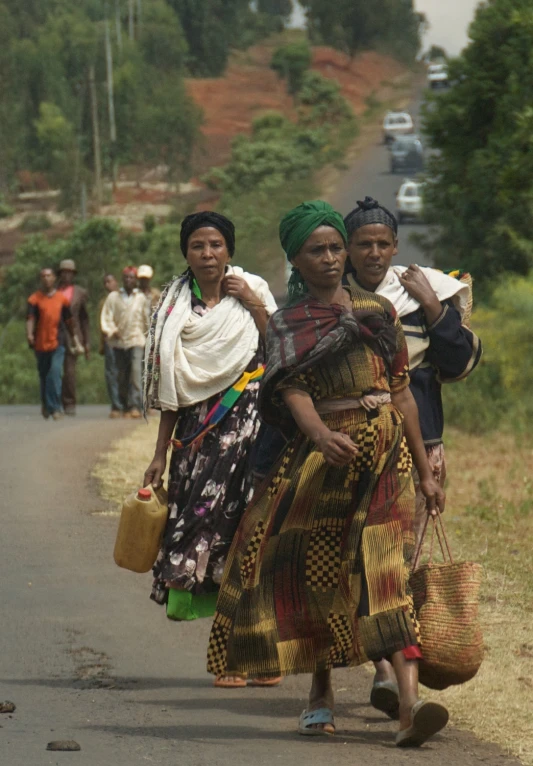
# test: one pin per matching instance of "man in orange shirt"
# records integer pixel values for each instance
(49, 317)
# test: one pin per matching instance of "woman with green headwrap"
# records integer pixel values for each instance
(317, 576)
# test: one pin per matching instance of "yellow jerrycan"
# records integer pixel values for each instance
(140, 530)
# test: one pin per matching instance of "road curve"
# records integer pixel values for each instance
(85, 655)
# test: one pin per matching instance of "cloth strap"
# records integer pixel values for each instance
(220, 409)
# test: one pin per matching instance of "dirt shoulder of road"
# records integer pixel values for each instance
(488, 520)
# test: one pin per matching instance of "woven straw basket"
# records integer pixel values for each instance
(446, 598)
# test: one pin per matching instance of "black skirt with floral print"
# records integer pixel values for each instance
(210, 485)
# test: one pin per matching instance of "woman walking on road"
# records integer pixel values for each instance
(317, 577)
(204, 361)
(431, 307)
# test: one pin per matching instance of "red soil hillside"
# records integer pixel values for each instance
(250, 87)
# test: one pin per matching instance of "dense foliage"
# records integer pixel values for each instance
(97, 83)
(213, 27)
(481, 193)
(354, 25)
(497, 395)
(291, 62)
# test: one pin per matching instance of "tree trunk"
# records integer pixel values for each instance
(118, 24)
(139, 13)
(131, 20)
(110, 99)
(96, 140)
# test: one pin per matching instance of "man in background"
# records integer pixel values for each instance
(145, 275)
(111, 374)
(124, 323)
(77, 298)
(48, 320)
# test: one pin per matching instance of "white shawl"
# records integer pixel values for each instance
(203, 355)
(445, 287)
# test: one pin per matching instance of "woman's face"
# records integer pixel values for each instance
(321, 258)
(371, 249)
(207, 255)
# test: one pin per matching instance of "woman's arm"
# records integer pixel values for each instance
(155, 471)
(338, 449)
(434, 494)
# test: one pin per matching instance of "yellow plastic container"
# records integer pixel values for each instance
(140, 530)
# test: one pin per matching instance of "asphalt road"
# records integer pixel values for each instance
(370, 176)
(85, 655)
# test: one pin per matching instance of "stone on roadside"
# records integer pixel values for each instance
(7, 707)
(63, 745)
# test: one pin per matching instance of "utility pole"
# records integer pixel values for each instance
(118, 24)
(96, 139)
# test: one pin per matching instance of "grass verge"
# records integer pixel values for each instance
(489, 519)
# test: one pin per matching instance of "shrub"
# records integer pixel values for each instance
(291, 62)
(35, 222)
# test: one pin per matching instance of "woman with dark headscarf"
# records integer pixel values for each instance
(317, 576)
(204, 360)
(432, 307)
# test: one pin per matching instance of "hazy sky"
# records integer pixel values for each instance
(449, 21)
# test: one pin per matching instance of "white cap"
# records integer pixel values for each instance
(145, 272)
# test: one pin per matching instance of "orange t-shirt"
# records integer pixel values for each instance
(50, 311)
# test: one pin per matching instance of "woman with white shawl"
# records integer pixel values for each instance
(203, 365)
(433, 308)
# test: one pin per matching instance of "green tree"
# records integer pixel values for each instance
(482, 190)
(291, 62)
(356, 25)
(280, 8)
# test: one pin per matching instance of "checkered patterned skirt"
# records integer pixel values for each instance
(317, 576)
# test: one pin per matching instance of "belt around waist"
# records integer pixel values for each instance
(368, 402)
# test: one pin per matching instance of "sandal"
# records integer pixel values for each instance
(229, 682)
(309, 719)
(427, 718)
(385, 697)
(266, 682)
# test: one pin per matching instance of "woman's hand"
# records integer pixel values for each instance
(237, 287)
(338, 449)
(417, 285)
(434, 494)
(155, 471)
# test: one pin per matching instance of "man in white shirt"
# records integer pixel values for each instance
(124, 324)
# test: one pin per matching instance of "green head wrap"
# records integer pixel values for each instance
(297, 226)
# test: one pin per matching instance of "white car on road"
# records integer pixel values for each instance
(409, 200)
(397, 124)
(438, 76)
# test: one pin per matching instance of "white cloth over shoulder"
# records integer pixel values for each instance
(200, 356)
(446, 288)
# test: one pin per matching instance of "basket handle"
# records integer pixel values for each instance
(438, 529)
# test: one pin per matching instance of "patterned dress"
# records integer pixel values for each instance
(209, 487)
(317, 576)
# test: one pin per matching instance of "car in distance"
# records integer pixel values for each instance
(409, 200)
(438, 76)
(406, 155)
(396, 124)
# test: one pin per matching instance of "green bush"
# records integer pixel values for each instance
(291, 62)
(34, 222)
(497, 394)
(5, 209)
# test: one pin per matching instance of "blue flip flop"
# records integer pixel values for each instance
(308, 719)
